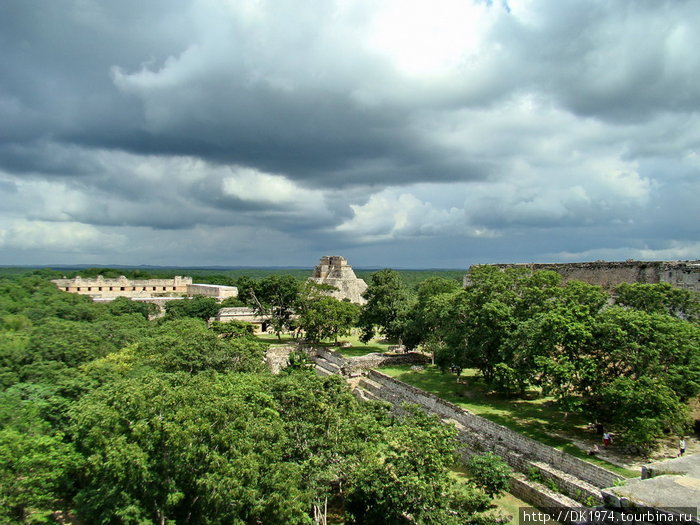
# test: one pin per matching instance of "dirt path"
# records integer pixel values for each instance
(668, 449)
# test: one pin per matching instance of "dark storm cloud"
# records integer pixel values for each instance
(96, 75)
(554, 128)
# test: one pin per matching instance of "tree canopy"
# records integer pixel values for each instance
(120, 419)
(522, 329)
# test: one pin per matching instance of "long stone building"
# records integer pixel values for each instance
(101, 288)
(681, 274)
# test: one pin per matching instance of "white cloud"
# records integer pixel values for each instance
(674, 250)
(426, 39)
(566, 127)
(251, 185)
(57, 236)
(393, 214)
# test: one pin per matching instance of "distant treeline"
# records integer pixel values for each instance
(410, 278)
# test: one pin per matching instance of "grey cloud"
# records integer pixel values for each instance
(130, 116)
(618, 61)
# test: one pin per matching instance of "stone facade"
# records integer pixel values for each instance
(218, 292)
(354, 365)
(335, 271)
(680, 274)
(245, 314)
(101, 288)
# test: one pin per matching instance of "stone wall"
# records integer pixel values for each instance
(216, 291)
(376, 360)
(573, 478)
(681, 274)
(538, 495)
(352, 365)
(330, 356)
(244, 314)
(487, 435)
(277, 357)
(102, 288)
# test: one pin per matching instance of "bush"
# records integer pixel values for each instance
(490, 473)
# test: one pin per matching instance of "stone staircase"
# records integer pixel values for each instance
(326, 368)
(545, 476)
(472, 442)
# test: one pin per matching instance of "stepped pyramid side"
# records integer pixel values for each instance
(335, 271)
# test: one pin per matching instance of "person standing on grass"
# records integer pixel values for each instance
(682, 447)
(606, 439)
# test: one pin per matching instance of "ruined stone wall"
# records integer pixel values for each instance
(369, 361)
(356, 364)
(277, 357)
(537, 495)
(241, 313)
(476, 435)
(100, 287)
(511, 445)
(681, 274)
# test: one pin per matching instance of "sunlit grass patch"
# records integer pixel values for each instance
(359, 348)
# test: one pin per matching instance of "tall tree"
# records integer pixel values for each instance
(198, 307)
(186, 449)
(419, 328)
(328, 318)
(276, 298)
(387, 308)
(408, 480)
(659, 298)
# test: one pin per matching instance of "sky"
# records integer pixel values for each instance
(397, 133)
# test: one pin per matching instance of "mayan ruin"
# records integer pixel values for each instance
(680, 274)
(335, 271)
(177, 287)
(184, 341)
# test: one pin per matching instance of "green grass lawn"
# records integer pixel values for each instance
(510, 505)
(506, 503)
(535, 417)
(359, 348)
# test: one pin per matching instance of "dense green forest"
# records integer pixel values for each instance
(629, 360)
(109, 417)
(113, 417)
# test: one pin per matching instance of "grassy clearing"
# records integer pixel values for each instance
(535, 417)
(359, 348)
(506, 503)
(510, 505)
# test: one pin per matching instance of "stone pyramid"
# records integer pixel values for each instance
(335, 271)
